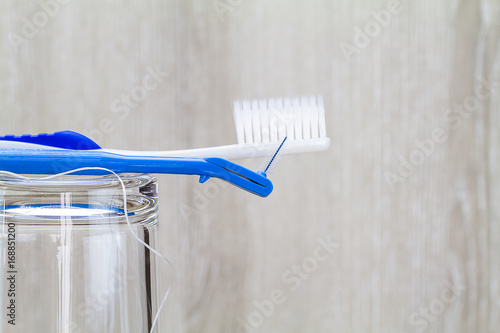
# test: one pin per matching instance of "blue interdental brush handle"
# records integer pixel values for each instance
(40, 161)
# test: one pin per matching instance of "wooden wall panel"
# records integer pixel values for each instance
(399, 244)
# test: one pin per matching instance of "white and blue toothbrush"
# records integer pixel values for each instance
(261, 125)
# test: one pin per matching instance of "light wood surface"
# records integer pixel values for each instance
(400, 244)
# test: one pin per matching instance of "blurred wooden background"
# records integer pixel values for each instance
(416, 250)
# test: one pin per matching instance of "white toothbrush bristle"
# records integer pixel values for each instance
(257, 135)
(247, 121)
(238, 121)
(322, 122)
(264, 121)
(306, 126)
(269, 121)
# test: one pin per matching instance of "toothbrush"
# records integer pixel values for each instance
(261, 125)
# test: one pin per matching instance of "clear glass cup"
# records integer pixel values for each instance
(70, 262)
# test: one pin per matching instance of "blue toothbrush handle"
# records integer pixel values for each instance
(62, 140)
(25, 161)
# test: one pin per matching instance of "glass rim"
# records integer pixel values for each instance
(31, 200)
(73, 182)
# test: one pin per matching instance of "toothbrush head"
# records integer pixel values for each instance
(267, 122)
